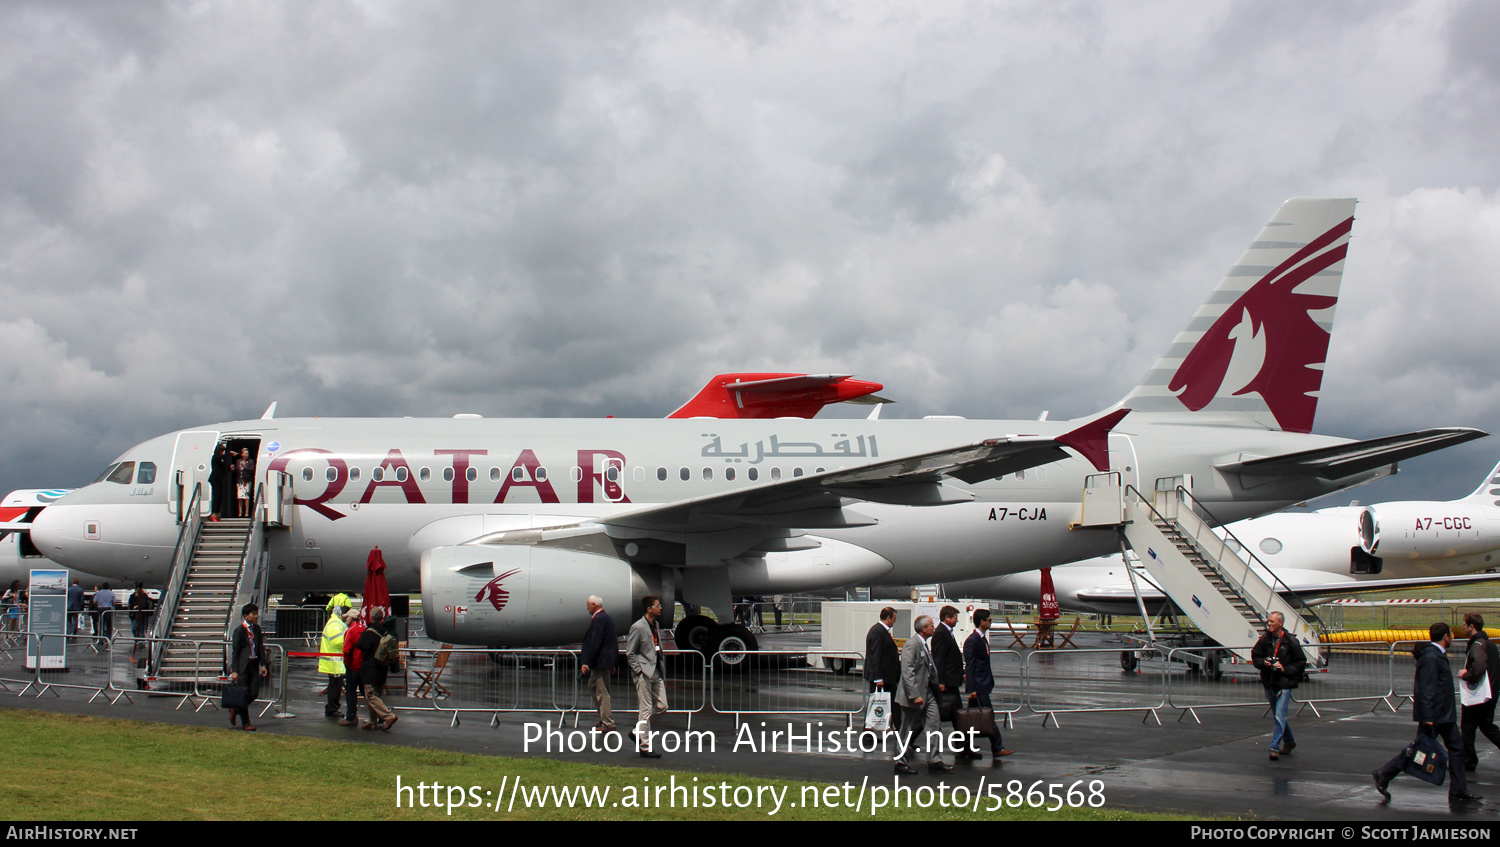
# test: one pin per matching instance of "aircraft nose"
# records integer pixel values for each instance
(47, 533)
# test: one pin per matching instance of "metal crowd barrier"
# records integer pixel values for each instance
(1362, 671)
(792, 682)
(1211, 678)
(1058, 682)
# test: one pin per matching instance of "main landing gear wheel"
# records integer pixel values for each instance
(730, 642)
(692, 633)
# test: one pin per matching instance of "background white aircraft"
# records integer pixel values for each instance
(1320, 555)
(505, 524)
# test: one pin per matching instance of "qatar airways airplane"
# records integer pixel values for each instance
(506, 525)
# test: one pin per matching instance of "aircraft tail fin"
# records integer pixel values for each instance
(1256, 348)
(776, 395)
(1489, 490)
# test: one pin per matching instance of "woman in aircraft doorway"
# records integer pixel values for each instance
(244, 480)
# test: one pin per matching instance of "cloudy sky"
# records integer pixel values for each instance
(587, 208)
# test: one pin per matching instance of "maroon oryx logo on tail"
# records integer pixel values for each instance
(497, 595)
(1272, 318)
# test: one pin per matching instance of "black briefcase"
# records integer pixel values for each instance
(981, 719)
(235, 697)
(947, 705)
(1426, 759)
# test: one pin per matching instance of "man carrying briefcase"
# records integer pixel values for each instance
(980, 681)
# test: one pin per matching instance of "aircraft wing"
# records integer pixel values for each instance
(1333, 590)
(1356, 457)
(912, 480)
(1309, 592)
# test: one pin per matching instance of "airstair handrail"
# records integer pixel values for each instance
(250, 577)
(1250, 560)
(182, 557)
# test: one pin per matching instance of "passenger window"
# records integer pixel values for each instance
(123, 473)
(494, 474)
(147, 474)
(754, 474)
(639, 473)
(518, 474)
(819, 470)
(775, 473)
(353, 474)
(708, 473)
(426, 474)
(401, 474)
(685, 474)
(471, 474)
(612, 473)
(332, 474)
(447, 474)
(661, 474)
(796, 472)
(729, 474)
(307, 474)
(576, 473)
(378, 474)
(541, 474)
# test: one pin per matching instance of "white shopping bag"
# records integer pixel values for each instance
(878, 714)
(1475, 695)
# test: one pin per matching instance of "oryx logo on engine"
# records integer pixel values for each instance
(498, 596)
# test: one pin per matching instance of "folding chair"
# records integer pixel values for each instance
(1016, 639)
(429, 677)
(1067, 637)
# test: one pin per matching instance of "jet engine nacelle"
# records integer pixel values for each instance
(521, 595)
(1424, 530)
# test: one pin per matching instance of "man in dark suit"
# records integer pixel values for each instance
(979, 678)
(950, 661)
(882, 661)
(596, 659)
(1433, 709)
(248, 661)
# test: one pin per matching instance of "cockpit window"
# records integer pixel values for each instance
(122, 473)
(147, 474)
(106, 472)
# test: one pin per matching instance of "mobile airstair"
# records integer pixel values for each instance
(218, 567)
(1213, 578)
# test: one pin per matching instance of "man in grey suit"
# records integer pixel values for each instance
(917, 696)
(643, 652)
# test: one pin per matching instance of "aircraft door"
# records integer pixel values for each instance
(614, 474)
(1122, 459)
(192, 463)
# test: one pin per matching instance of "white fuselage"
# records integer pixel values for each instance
(409, 485)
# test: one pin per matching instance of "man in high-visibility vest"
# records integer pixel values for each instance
(333, 642)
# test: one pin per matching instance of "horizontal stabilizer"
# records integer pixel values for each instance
(1356, 457)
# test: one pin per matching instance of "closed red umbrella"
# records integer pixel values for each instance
(377, 595)
(1050, 609)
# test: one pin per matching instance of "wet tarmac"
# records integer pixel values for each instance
(1216, 767)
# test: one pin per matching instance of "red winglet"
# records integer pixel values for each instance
(1092, 439)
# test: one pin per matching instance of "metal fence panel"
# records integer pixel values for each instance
(1060, 681)
(795, 682)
